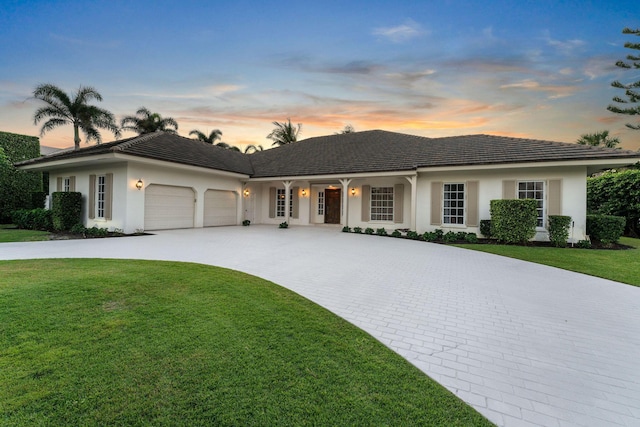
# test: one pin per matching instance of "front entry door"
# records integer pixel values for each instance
(332, 206)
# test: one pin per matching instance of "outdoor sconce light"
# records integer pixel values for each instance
(139, 184)
(353, 191)
(304, 193)
(246, 192)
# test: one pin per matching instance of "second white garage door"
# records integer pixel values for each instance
(167, 207)
(220, 208)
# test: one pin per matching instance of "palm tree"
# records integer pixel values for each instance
(61, 109)
(284, 133)
(253, 148)
(147, 122)
(598, 139)
(214, 135)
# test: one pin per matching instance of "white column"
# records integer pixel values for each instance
(345, 200)
(413, 180)
(287, 185)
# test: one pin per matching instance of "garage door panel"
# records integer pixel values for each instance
(167, 207)
(220, 208)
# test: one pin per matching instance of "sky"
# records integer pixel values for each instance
(532, 69)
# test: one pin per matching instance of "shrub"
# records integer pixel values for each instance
(485, 228)
(471, 238)
(559, 230)
(584, 244)
(96, 232)
(283, 225)
(246, 223)
(396, 233)
(606, 229)
(37, 199)
(430, 236)
(461, 235)
(450, 237)
(616, 193)
(368, 230)
(413, 235)
(66, 210)
(357, 230)
(514, 221)
(381, 232)
(439, 234)
(32, 219)
(78, 229)
(346, 229)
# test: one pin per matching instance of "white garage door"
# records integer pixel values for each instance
(167, 207)
(220, 208)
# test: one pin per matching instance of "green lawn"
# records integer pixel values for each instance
(619, 265)
(8, 233)
(106, 342)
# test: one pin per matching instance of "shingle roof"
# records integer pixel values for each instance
(359, 152)
(163, 146)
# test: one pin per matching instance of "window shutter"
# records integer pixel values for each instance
(398, 203)
(295, 201)
(472, 204)
(436, 203)
(366, 203)
(555, 197)
(272, 202)
(59, 184)
(108, 196)
(92, 196)
(508, 190)
(72, 183)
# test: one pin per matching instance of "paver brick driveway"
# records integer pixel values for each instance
(522, 343)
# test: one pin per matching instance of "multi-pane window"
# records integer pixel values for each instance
(453, 204)
(100, 196)
(281, 202)
(66, 184)
(533, 190)
(321, 203)
(381, 203)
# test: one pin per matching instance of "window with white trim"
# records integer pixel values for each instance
(100, 196)
(533, 190)
(381, 203)
(66, 184)
(453, 204)
(320, 202)
(281, 202)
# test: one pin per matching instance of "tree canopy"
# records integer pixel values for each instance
(213, 136)
(284, 133)
(599, 139)
(62, 109)
(631, 89)
(147, 122)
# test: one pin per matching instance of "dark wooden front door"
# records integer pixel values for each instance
(332, 206)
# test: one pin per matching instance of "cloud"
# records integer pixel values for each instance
(564, 46)
(400, 33)
(554, 91)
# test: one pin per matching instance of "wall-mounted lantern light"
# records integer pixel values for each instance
(353, 191)
(139, 184)
(304, 192)
(246, 192)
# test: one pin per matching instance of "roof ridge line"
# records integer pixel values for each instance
(136, 140)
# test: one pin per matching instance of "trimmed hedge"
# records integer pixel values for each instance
(16, 186)
(66, 210)
(514, 221)
(559, 230)
(605, 229)
(616, 193)
(485, 228)
(33, 219)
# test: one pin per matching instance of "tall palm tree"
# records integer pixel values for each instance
(253, 148)
(62, 109)
(284, 133)
(599, 139)
(214, 135)
(147, 122)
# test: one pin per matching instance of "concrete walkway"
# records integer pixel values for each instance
(522, 343)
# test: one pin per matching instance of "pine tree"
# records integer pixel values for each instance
(630, 89)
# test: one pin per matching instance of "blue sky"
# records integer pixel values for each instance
(537, 69)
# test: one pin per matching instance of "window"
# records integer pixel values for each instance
(100, 193)
(453, 204)
(66, 184)
(321, 203)
(281, 202)
(381, 203)
(533, 190)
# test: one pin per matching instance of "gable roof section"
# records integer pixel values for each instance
(162, 146)
(381, 151)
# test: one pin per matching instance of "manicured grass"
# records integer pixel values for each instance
(619, 265)
(8, 233)
(105, 342)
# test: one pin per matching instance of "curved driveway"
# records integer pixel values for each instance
(522, 343)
